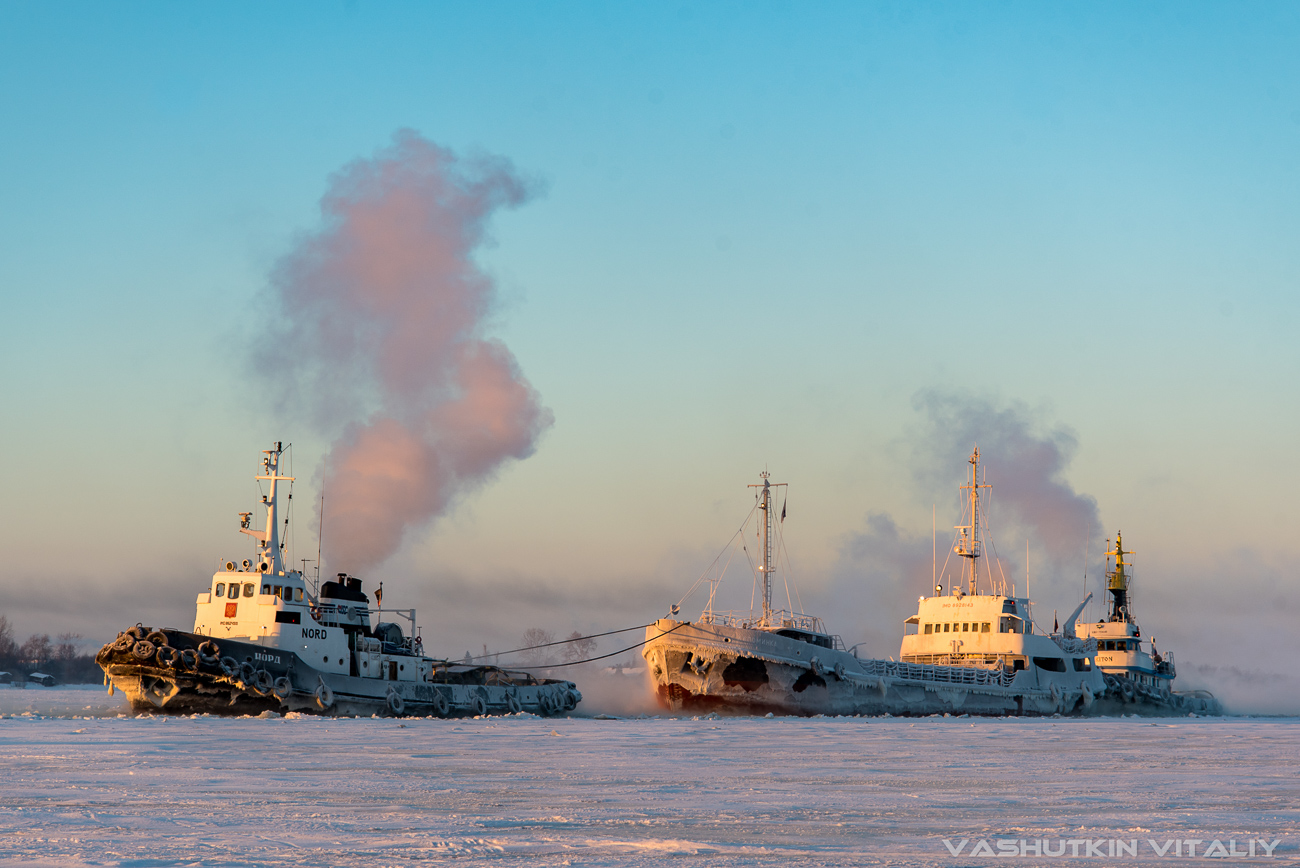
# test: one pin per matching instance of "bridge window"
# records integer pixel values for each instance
(929, 628)
(1082, 664)
(1050, 664)
(248, 589)
(965, 628)
(984, 628)
(945, 628)
(221, 589)
(297, 595)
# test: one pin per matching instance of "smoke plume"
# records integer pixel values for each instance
(883, 567)
(382, 315)
(1025, 463)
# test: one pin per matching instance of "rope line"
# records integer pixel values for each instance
(562, 642)
(603, 656)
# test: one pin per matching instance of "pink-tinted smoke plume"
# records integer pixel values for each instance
(381, 314)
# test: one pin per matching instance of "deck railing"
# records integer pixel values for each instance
(937, 674)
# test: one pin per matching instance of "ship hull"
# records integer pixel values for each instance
(187, 673)
(738, 670)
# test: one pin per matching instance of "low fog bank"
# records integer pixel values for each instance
(65, 700)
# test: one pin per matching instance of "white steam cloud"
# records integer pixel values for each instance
(381, 317)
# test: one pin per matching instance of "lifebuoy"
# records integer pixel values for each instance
(324, 696)
(167, 656)
(190, 659)
(209, 653)
(395, 703)
(157, 637)
(282, 688)
(440, 704)
(512, 703)
(143, 650)
(229, 667)
(478, 705)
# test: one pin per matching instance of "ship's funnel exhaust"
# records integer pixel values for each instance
(384, 311)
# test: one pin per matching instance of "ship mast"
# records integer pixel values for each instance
(765, 565)
(270, 554)
(1117, 582)
(969, 545)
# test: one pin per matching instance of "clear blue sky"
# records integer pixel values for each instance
(765, 229)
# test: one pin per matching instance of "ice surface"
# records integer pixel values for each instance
(718, 792)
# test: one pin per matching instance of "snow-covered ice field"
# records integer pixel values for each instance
(81, 786)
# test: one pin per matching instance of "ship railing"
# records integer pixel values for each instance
(781, 620)
(1075, 646)
(938, 674)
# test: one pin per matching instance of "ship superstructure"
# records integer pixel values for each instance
(263, 640)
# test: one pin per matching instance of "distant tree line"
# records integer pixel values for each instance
(40, 653)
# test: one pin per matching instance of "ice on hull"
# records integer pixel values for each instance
(709, 667)
(238, 678)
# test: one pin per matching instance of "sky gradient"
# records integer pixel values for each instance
(834, 241)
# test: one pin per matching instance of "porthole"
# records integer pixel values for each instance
(326, 658)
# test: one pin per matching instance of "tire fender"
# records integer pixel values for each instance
(395, 703)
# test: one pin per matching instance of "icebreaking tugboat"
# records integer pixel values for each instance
(262, 641)
(1131, 671)
(971, 650)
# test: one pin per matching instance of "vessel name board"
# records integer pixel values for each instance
(314, 633)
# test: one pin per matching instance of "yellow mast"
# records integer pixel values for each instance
(1118, 581)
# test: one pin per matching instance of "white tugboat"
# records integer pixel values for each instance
(1122, 655)
(971, 650)
(264, 641)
